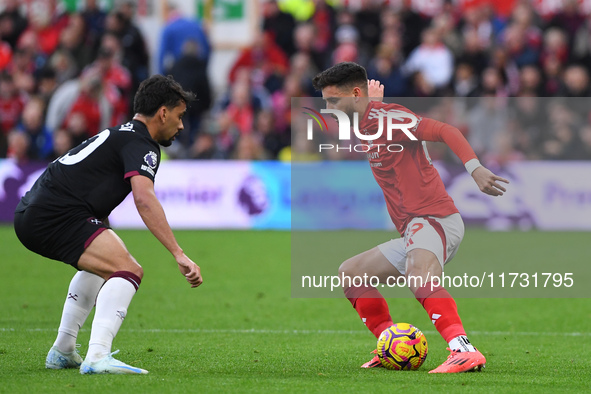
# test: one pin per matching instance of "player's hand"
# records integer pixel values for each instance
(487, 181)
(191, 270)
(375, 90)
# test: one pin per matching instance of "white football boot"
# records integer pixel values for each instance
(110, 365)
(58, 360)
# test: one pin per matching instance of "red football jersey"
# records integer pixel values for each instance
(411, 185)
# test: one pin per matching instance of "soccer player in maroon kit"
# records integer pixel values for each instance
(418, 204)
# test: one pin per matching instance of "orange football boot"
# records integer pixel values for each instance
(374, 362)
(461, 362)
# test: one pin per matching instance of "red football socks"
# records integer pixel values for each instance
(442, 310)
(371, 307)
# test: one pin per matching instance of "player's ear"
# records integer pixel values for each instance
(163, 113)
(357, 92)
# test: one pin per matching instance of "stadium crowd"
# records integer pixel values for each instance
(66, 76)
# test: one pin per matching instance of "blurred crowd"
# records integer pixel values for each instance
(64, 76)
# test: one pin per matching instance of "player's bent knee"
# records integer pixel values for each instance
(348, 267)
(132, 265)
(139, 271)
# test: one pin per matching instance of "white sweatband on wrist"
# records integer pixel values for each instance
(471, 165)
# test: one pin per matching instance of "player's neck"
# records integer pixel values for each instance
(147, 121)
(361, 105)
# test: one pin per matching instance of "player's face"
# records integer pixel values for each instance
(173, 124)
(342, 99)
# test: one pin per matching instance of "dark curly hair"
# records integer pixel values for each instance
(157, 91)
(342, 75)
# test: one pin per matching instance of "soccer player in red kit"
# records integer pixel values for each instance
(418, 204)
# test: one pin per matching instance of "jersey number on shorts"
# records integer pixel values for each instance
(91, 145)
(413, 230)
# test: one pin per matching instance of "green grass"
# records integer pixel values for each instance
(196, 340)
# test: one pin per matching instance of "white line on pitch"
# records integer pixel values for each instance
(263, 331)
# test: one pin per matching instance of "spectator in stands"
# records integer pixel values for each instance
(386, 68)
(249, 147)
(475, 20)
(46, 84)
(301, 67)
(41, 30)
(444, 26)
(552, 76)
(555, 46)
(507, 73)
(135, 55)
(347, 49)
(80, 123)
(529, 124)
(32, 124)
(204, 147)
(488, 118)
(235, 115)
(240, 110)
(267, 63)
(12, 22)
(563, 144)
(304, 40)
(115, 77)
(518, 49)
(569, 19)
(90, 87)
(18, 146)
(503, 152)
(259, 97)
(177, 30)
(465, 83)
(473, 52)
(323, 19)
(280, 24)
(95, 23)
(281, 102)
(432, 59)
(62, 142)
(530, 81)
(64, 65)
(367, 22)
(273, 141)
(576, 82)
(12, 103)
(73, 40)
(581, 50)
(21, 69)
(191, 73)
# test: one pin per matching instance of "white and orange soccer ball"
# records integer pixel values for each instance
(402, 347)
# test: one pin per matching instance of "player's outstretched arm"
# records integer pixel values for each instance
(433, 130)
(153, 216)
(487, 181)
(375, 90)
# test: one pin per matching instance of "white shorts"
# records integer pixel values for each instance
(442, 236)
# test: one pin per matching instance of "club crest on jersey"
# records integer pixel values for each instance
(151, 159)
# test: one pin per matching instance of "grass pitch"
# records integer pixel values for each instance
(242, 332)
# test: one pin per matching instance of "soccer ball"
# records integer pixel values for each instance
(402, 347)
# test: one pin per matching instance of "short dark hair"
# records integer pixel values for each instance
(346, 74)
(157, 91)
